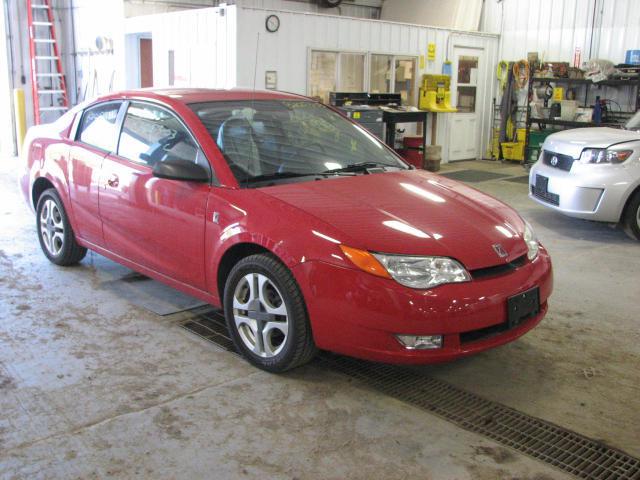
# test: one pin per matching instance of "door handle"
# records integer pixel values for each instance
(113, 181)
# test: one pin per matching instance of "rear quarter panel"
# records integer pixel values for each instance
(45, 155)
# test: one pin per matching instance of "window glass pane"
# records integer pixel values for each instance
(467, 70)
(151, 134)
(98, 126)
(380, 80)
(351, 72)
(405, 81)
(466, 99)
(322, 75)
(276, 137)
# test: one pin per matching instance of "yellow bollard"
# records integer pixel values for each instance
(20, 117)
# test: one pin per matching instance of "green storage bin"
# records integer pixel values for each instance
(537, 137)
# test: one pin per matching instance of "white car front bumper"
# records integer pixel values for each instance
(592, 192)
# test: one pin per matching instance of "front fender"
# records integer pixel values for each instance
(236, 216)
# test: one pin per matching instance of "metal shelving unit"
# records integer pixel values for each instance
(619, 117)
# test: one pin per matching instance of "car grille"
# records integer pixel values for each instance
(484, 333)
(548, 197)
(499, 269)
(563, 162)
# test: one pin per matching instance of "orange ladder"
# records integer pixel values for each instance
(48, 85)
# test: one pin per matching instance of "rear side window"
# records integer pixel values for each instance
(98, 126)
(152, 134)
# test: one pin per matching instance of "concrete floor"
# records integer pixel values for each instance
(92, 386)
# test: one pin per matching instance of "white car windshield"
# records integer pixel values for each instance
(271, 140)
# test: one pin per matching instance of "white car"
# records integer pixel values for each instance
(591, 173)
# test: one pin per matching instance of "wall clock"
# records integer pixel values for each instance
(272, 23)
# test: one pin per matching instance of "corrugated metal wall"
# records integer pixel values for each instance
(345, 9)
(619, 29)
(287, 52)
(200, 45)
(554, 28)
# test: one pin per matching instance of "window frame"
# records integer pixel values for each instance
(76, 129)
(367, 67)
(338, 70)
(213, 178)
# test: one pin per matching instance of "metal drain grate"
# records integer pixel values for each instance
(545, 441)
(210, 325)
(537, 438)
(473, 176)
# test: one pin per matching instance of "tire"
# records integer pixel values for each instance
(261, 295)
(57, 240)
(631, 217)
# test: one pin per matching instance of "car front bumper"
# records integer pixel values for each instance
(590, 192)
(358, 314)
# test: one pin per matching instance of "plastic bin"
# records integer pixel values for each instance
(537, 137)
(413, 150)
(512, 151)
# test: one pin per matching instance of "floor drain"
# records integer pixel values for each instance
(473, 176)
(562, 448)
(211, 326)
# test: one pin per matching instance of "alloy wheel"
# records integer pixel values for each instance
(52, 227)
(260, 315)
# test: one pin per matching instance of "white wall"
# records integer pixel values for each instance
(6, 104)
(554, 28)
(360, 9)
(88, 72)
(454, 14)
(286, 51)
(203, 42)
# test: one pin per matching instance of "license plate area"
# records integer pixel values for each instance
(523, 306)
(542, 184)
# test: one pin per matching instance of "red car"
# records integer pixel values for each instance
(304, 227)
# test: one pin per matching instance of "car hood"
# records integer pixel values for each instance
(411, 212)
(572, 142)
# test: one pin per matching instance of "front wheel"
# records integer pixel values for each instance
(631, 219)
(266, 314)
(57, 239)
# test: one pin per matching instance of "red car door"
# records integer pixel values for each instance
(96, 136)
(157, 223)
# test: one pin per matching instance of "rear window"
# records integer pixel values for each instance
(98, 126)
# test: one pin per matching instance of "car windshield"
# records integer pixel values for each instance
(634, 122)
(275, 140)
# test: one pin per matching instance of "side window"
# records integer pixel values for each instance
(98, 126)
(151, 134)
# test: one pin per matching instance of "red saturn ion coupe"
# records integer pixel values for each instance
(304, 227)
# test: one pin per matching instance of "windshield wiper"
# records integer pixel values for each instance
(279, 175)
(358, 167)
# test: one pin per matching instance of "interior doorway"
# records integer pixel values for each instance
(467, 92)
(146, 62)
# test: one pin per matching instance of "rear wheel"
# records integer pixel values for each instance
(266, 315)
(631, 219)
(56, 236)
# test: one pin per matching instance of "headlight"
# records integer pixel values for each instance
(600, 155)
(533, 245)
(410, 271)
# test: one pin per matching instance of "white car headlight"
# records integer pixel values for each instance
(601, 155)
(530, 238)
(423, 272)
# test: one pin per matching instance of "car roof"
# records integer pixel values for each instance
(201, 95)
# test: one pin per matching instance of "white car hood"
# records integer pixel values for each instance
(572, 142)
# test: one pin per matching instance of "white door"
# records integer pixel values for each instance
(464, 126)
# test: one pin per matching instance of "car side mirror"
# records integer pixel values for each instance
(181, 170)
